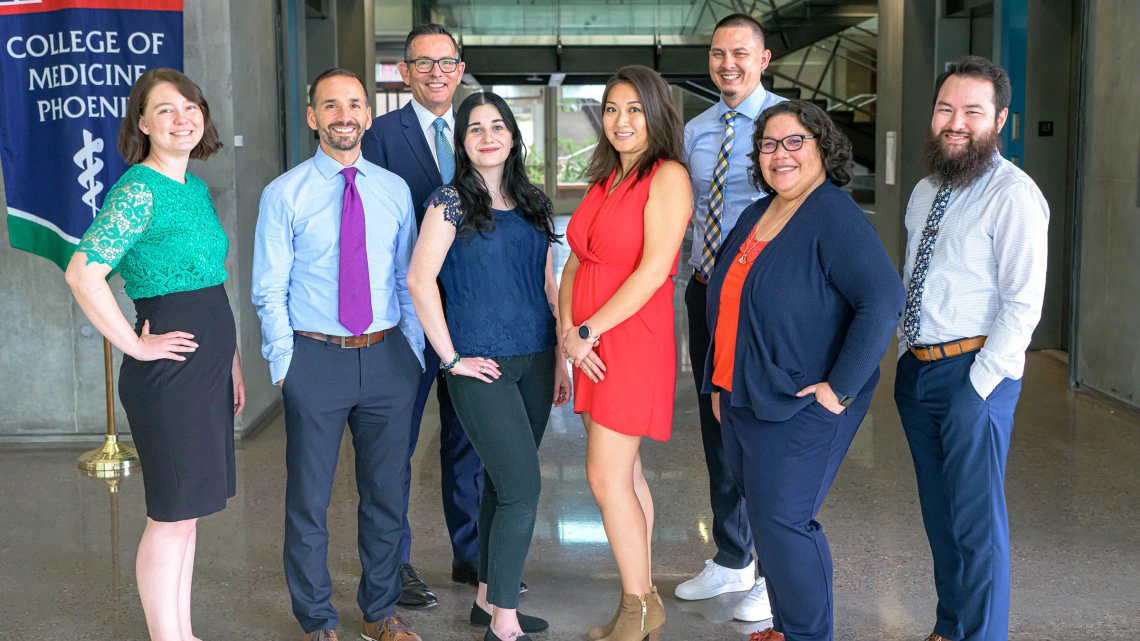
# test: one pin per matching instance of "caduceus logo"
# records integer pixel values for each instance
(91, 166)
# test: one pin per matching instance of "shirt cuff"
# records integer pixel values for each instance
(984, 382)
(280, 367)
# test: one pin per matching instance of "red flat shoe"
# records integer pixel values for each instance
(767, 634)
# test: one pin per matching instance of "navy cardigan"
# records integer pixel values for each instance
(819, 304)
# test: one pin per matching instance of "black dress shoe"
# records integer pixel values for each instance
(414, 593)
(468, 572)
(490, 636)
(528, 623)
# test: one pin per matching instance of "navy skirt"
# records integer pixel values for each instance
(181, 413)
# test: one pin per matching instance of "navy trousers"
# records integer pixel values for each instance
(959, 443)
(730, 529)
(461, 471)
(786, 469)
(372, 389)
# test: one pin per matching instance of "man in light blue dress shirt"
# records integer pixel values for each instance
(976, 256)
(737, 59)
(333, 244)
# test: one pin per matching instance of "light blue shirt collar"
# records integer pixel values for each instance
(750, 108)
(329, 168)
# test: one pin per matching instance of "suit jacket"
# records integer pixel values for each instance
(397, 143)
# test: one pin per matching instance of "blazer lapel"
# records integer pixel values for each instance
(418, 143)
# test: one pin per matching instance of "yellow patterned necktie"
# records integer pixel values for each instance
(713, 232)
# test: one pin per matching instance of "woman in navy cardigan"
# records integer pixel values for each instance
(806, 300)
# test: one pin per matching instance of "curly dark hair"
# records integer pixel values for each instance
(834, 147)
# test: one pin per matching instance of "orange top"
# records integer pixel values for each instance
(724, 340)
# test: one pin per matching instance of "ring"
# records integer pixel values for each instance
(570, 359)
(480, 368)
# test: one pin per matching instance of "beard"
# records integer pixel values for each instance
(341, 142)
(962, 167)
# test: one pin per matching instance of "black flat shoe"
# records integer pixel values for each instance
(468, 572)
(414, 593)
(528, 623)
(490, 636)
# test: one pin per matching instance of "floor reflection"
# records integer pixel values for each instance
(1072, 488)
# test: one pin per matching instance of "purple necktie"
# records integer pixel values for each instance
(355, 292)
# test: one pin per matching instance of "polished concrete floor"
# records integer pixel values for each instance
(67, 545)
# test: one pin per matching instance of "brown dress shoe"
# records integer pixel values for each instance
(767, 634)
(936, 637)
(321, 635)
(388, 629)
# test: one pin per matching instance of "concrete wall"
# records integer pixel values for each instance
(1107, 355)
(51, 358)
(1051, 89)
(907, 69)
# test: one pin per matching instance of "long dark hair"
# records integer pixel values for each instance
(666, 131)
(532, 204)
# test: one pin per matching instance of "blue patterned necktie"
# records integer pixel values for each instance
(713, 235)
(912, 319)
(443, 153)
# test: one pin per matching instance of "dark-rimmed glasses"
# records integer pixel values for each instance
(424, 65)
(791, 143)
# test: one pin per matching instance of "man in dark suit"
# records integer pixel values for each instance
(416, 143)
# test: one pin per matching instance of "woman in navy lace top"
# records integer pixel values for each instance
(486, 238)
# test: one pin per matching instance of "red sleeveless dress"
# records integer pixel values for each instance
(607, 234)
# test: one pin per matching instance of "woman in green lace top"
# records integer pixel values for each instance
(181, 382)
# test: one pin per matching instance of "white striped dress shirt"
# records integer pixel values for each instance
(987, 273)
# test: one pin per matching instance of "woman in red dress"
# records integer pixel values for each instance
(616, 299)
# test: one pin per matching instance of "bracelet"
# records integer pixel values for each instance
(447, 367)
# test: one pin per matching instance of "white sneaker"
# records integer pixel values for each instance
(716, 579)
(754, 606)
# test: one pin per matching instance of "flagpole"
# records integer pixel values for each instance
(112, 459)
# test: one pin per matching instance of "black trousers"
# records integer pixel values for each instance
(731, 533)
(505, 420)
(373, 390)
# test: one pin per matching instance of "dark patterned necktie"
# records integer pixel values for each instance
(912, 319)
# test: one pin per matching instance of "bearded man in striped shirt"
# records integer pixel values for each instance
(975, 274)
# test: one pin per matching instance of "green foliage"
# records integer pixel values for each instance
(573, 158)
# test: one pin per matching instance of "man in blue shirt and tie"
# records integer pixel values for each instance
(717, 144)
(331, 253)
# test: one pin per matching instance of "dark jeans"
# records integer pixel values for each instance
(461, 473)
(730, 521)
(505, 420)
(786, 469)
(959, 443)
(372, 389)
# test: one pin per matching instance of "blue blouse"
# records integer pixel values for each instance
(495, 285)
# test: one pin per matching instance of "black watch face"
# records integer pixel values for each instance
(583, 332)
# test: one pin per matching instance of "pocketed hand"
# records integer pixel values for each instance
(824, 396)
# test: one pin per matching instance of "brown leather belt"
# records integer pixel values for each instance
(948, 350)
(351, 342)
(700, 279)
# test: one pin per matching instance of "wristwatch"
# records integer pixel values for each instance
(584, 332)
(846, 401)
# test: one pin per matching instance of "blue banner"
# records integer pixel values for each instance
(66, 71)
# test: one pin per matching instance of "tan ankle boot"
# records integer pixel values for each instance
(596, 634)
(637, 617)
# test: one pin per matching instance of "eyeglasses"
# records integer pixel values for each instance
(424, 65)
(791, 143)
